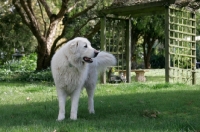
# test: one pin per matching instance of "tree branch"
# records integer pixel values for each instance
(31, 16)
(46, 7)
(83, 12)
(21, 12)
(95, 30)
(71, 8)
(76, 32)
(30, 6)
(45, 24)
(54, 47)
(27, 17)
(63, 9)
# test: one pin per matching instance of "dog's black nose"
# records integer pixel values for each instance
(96, 53)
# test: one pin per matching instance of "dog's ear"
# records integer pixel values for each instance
(73, 47)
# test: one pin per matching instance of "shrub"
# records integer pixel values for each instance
(26, 63)
(8, 75)
(24, 70)
(157, 61)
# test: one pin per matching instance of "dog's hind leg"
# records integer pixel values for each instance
(90, 91)
(62, 100)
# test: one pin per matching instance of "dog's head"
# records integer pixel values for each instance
(81, 47)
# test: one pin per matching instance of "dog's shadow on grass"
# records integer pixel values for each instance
(158, 108)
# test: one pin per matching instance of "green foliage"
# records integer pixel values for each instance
(23, 70)
(198, 22)
(152, 25)
(26, 63)
(42, 76)
(150, 29)
(198, 51)
(14, 35)
(157, 61)
(84, 23)
(74, 18)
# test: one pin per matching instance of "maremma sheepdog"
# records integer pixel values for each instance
(74, 66)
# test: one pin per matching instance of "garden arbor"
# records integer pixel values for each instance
(180, 32)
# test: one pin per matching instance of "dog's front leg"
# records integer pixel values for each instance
(62, 100)
(74, 103)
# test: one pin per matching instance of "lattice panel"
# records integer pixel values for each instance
(182, 46)
(115, 41)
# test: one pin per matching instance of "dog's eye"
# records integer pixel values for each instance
(85, 46)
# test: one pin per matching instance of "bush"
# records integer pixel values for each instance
(24, 70)
(198, 51)
(26, 63)
(44, 75)
(8, 75)
(157, 61)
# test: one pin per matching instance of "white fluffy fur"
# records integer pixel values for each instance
(71, 73)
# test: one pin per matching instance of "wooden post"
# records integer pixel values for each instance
(167, 57)
(128, 50)
(194, 50)
(103, 44)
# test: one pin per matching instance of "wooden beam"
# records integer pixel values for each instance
(103, 44)
(139, 9)
(194, 51)
(167, 57)
(128, 50)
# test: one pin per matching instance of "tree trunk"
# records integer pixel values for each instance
(147, 50)
(147, 55)
(133, 53)
(43, 56)
(147, 63)
(134, 38)
(45, 46)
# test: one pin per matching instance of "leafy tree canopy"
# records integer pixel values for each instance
(55, 22)
(14, 34)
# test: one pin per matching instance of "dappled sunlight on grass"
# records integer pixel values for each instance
(138, 106)
(158, 76)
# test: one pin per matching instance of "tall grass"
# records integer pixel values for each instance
(152, 106)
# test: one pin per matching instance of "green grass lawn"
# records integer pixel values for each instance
(152, 106)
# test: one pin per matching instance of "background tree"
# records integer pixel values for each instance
(154, 30)
(136, 34)
(198, 34)
(14, 35)
(151, 29)
(50, 21)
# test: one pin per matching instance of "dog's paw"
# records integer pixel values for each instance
(73, 116)
(91, 111)
(60, 118)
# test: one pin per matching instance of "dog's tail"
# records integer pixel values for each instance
(104, 60)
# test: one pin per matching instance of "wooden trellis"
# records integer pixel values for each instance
(180, 32)
(115, 38)
(181, 48)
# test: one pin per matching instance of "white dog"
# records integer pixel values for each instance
(74, 66)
